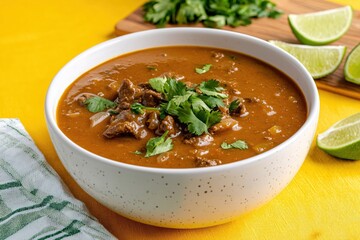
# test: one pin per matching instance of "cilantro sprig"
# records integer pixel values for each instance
(196, 110)
(212, 13)
(205, 68)
(212, 88)
(98, 104)
(158, 145)
(239, 144)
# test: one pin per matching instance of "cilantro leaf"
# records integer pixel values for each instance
(234, 105)
(169, 87)
(98, 104)
(239, 144)
(209, 118)
(194, 124)
(198, 104)
(214, 117)
(158, 83)
(172, 106)
(203, 69)
(172, 88)
(137, 108)
(158, 145)
(179, 99)
(164, 110)
(212, 102)
(212, 88)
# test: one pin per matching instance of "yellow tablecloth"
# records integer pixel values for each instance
(38, 37)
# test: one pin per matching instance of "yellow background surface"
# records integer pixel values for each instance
(38, 37)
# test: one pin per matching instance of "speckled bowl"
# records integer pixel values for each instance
(184, 198)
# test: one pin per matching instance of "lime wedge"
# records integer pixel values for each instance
(320, 28)
(352, 66)
(342, 140)
(320, 61)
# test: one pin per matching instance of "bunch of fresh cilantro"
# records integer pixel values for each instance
(212, 13)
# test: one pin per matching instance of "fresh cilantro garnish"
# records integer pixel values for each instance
(239, 144)
(234, 105)
(158, 145)
(137, 108)
(212, 88)
(199, 105)
(187, 116)
(168, 86)
(158, 83)
(179, 99)
(212, 118)
(212, 102)
(196, 110)
(98, 104)
(203, 69)
(212, 13)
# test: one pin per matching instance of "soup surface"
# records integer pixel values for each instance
(181, 107)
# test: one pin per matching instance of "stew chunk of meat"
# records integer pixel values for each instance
(127, 123)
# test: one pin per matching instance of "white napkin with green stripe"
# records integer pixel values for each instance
(34, 202)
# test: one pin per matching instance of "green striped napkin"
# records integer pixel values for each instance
(34, 202)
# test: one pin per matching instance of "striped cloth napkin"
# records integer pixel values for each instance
(34, 202)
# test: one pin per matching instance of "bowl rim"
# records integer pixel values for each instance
(312, 117)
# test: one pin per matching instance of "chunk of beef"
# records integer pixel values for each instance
(127, 123)
(128, 94)
(168, 124)
(199, 141)
(150, 98)
(203, 162)
(153, 120)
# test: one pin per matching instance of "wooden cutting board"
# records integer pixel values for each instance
(278, 29)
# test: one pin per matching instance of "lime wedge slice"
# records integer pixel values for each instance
(320, 61)
(352, 66)
(320, 28)
(342, 140)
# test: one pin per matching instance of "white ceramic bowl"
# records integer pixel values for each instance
(184, 198)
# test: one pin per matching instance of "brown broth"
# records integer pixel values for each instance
(281, 104)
